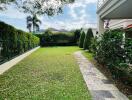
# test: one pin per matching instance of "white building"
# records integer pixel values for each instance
(120, 23)
(111, 10)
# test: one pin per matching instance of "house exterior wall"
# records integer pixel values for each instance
(120, 23)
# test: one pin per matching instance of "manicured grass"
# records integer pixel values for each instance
(88, 55)
(47, 74)
(130, 97)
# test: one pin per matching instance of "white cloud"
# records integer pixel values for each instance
(81, 20)
(78, 21)
(75, 20)
(12, 12)
(67, 24)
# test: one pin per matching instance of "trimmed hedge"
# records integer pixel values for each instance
(87, 40)
(81, 40)
(14, 42)
(49, 38)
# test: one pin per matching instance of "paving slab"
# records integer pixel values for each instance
(98, 84)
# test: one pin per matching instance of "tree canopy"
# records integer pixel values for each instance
(40, 7)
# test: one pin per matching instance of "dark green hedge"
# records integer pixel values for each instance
(81, 39)
(14, 42)
(49, 38)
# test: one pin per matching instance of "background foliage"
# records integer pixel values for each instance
(115, 51)
(49, 38)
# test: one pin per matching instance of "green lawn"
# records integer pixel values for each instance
(130, 97)
(88, 55)
(47, 74)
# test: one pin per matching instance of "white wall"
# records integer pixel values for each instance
(120, 23)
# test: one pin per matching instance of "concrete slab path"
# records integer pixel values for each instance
(99, 86)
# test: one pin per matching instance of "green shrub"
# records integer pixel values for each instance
(81, 40)
(116, 54)
(110, 51)
(94, 45)
(128, 50)
(87, 40)
(15, 41)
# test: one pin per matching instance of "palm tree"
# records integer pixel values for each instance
(33, 22)
(29, 23)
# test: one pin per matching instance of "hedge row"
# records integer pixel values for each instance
(14, 42)
(49, 38)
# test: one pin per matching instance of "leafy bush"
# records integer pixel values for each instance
(115, 52)
(110, 51)
(94, 45)
(87, 40)
(128, 50)
(15, 41)
(81, 40)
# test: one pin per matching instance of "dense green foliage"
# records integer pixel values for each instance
(77, 34)
(14, 42)
(81, 40)
(128, 33)
(47, 74)
(49, 38)
(110, 49)
(115, 51)
(87, 40)
(128, 49)
(94, 45)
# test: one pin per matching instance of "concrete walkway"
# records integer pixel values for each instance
(99, 86)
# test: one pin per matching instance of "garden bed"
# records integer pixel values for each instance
(118, 82)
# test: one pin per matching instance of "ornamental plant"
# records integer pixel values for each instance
(111, 48)
(88, 38)
(81, 40)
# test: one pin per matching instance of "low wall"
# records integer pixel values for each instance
(4, 67)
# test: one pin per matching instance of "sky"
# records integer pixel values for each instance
(82, 13)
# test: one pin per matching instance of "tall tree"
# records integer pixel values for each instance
(87, 40)
(33, 22)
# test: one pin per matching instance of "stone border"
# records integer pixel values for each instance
(7, 65)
